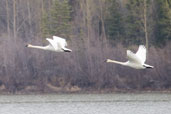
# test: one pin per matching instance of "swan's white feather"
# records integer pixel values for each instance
(60, 41)
(132, 57)
(141, 53)
(52, 43)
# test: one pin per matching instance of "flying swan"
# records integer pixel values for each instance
(56, 44)
(136, 61)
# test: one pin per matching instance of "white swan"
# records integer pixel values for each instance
(136, 61)
(56, 44)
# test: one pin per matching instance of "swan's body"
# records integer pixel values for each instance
(56, 44)
(136, 61)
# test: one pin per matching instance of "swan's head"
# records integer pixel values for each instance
(107, 60)
(28, 45)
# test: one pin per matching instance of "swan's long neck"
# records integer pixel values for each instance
(37, 47)
(117, 62)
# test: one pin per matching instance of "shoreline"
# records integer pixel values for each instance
(121, 91)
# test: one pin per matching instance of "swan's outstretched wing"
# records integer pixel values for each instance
(141, 53)
(132, 57)
(52, 43)
(60, 41)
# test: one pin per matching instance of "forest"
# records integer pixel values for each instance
(95, 30)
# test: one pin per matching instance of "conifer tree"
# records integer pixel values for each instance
(163, 27)
(114, 21)
(57, 21)
(45, 25)
(135, 21)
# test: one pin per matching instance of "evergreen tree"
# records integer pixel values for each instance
(114, 21)
(45, 25)
(163, 27)
(134, 20)
(57, 21)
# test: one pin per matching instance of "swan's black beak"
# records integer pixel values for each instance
(26, 45)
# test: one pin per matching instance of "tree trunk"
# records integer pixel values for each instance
(14, 19)
(88, 35)
(7, 12)
(102, 21)
(29, 18)
(145, 24)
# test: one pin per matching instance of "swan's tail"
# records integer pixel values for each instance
(67, 50)
(148, 66)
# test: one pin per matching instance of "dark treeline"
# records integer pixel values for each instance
(95, 30)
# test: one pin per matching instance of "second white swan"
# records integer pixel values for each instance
(136, 61)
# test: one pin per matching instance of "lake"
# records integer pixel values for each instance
(124, 103)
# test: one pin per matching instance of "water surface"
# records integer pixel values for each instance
(148, 103)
